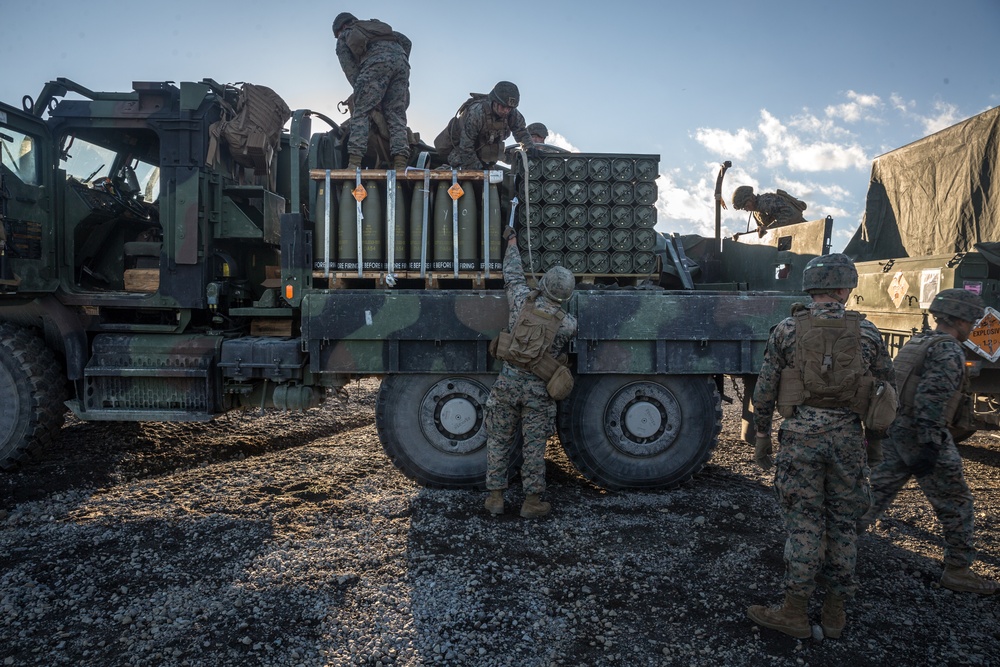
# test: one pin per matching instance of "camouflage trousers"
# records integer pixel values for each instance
(385, 82)
(822, 490)
(945, 488)
(518, 399)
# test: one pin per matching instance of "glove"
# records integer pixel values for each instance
(925, 461)
(508, 231)
(762, 452)
(873, 447)
(533, 151)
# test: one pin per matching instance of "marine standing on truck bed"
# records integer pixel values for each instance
(375, 60)
(524, 394)
(475, 136)
(820, 469)
(932, 382)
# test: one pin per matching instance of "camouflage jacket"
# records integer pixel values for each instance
(780, 353)
(774, 211)
(517, 291)
(379, 51)
(943, 376)
(479, 128)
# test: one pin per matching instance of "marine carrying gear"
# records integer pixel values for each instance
(538, 129)
(958, 303)
(527, 347)
(909, 367)
(828, 272)
(828, 372)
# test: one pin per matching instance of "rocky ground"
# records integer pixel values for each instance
(291, 540)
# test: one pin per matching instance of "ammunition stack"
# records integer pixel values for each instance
(592, 213)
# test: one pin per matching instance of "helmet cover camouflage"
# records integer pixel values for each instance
(557, 284)
(343, 18)
(958, 303)
(539, 129)
(833, 271)
(741, 195)
(505, 93)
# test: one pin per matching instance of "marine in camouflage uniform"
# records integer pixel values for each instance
(539, 133)
(769, 209)
(474, 137)
(921, 445)
(520, 396)
(381, 80)
(820, 467)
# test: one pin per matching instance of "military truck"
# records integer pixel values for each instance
(173, 252)
(932, 222)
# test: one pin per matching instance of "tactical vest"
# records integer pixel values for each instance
(527, 346)
(792, 201)
(362, 33)
(828, 366)
(909, 367)
(489, 141)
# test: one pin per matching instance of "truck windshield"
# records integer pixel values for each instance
(17, 154)
(86, 162)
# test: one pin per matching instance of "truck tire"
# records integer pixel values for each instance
(32, 394)
(432, 428)
(640, 431)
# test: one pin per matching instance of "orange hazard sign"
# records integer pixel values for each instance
(985, 338)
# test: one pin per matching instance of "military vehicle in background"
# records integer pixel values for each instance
(171, 253)
(932, 222)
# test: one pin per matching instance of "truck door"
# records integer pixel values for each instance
(27, 204)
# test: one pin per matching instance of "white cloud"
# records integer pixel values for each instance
(786, 148)
(737, 145)
(854, 110)
(945, 115)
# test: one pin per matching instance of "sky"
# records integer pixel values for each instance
(799, 95)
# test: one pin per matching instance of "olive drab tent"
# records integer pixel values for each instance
(937, 195)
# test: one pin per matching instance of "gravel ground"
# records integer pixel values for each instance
(291, 540)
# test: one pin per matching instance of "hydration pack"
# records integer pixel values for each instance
(792, 201)
(363, 33)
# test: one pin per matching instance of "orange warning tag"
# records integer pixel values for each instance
(359, 192)
(456, 191)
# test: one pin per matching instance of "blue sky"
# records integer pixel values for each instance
(799, 95)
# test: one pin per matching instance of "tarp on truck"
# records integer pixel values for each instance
(937, 195)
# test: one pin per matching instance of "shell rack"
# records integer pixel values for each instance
(593, 213)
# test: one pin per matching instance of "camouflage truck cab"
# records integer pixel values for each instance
(155, 267)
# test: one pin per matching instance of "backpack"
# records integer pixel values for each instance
(362, 33)
(527, 346)
(909, 367)
(253, 133)
(827, 367)
(792, 201)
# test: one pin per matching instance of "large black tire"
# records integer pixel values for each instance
(432, 428)
(32, 394)
(640, 431)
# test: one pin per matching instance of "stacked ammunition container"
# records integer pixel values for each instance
(593, 213)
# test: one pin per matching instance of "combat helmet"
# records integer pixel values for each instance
(343, 18)
(958, 303)
(827, 272)
(557, 284)
(741, 195)
(539, 129)
(505, 93)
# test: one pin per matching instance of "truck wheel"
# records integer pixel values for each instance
(431, 427)
(640, 431)
(32, 394)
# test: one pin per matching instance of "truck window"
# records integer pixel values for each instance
(17, 154)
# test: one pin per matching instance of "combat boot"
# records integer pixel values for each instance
(833, 617)
(534, 507)
(494, 502)
(964, 580)
(354, 161)
(399, 162)
(790, 618)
